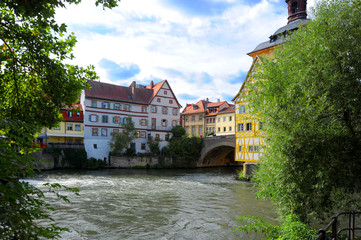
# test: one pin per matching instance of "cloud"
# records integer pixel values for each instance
(200, 7)
(119, 72)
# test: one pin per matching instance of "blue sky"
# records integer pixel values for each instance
(199, 46)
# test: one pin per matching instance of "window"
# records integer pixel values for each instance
(200, 117)
(154, 109)
(143, 122)
(165, 92)
(256, 149)
(293, 7)
(214, 120)
(125, 120)
(93, 118)
(193, 130)
(142, 146)
(104, 132)
(78, 114)
(132, 145)
(105, 105)
(249, 126)
(240, 127)
(116, 130)
(117, 106)
(224, 119)
(174, 123)
(230, 129)
(158, 99)
(70, 114)
(167, 137)
(200, 130)
(219, 129)
(95, 146)
(77, 127)
(240, 149)
(127, 107)
(193, 118)
(186, 118)
(242, 109)
(164, 123)
(230, 118)
(116, 119)
(207, 120)
(144, 109)
(250, 149)
(214, 129)
(219, 119)
(175, 111)
(224, 129)
(142, 134)
(94, 103)
(260, 125)
(137, 134)
(164, 110)
(94, 131)
(69, 127)
(170, 101)
(105, 118)
(157, 137)
(56, 128)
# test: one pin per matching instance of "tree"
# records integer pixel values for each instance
(35, 83)
(121, 140)
(153, 146)
(310, 101)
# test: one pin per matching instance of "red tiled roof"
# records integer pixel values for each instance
(108, 91)
(227, 110)
(215, 104)
(199, 107)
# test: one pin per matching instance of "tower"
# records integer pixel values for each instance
(296, 9)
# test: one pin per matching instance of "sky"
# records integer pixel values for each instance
(199, 46)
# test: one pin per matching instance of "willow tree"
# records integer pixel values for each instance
(309, 97)
(34, 84)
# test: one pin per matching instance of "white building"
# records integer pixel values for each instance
(154, 110)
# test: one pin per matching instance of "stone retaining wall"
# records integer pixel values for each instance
(127, 162)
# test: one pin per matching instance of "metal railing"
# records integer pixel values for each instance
(333, 227)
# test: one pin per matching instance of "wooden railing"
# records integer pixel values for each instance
(334, 232)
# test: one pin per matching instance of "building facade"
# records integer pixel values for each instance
(200, 119)
(225, 123)
(248, 132)
(154, 109)
(70, 130)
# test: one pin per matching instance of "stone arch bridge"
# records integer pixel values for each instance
(218, 151)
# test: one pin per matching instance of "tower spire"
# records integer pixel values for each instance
(296, 9)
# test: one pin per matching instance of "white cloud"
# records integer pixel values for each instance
(159, 39)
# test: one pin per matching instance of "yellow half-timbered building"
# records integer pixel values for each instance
(248, 129)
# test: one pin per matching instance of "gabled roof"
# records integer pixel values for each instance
(156, 87)
(199, 107)
(215, 104)
(230, 109)
(113, 92)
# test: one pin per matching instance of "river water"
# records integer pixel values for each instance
(154, 204)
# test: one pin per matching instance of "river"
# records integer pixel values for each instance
(154, 204)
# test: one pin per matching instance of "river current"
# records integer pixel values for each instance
(154, 204)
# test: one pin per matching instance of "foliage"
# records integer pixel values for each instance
(34, 85)
(310, 100)
(184, 151)
(121, 140)
(153, 146)
(291, 228)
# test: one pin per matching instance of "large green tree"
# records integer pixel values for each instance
(310, 100)
(121, 140)
(34, 84)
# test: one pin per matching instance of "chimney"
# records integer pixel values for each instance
(207, 99)
(296, 9)
(133, 86)
(218, 100)
(152, 84)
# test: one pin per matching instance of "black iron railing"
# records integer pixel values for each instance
(334, 232)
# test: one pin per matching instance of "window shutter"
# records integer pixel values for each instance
(156, 109)
(97, 118)
(130, 107)
(90, 118)
(146, 121)
(113, 119)
(140, 121)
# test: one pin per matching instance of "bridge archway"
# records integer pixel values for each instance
(218, 151)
